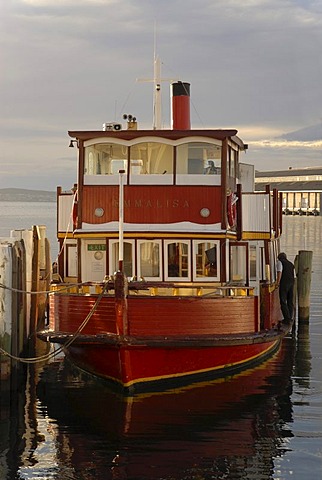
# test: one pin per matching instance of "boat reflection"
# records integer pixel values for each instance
(219, 428)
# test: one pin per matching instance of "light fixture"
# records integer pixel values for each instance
(71, 143)
(99, 212)
(205, 212)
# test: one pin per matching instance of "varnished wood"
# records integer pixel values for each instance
(169, 134)
(163, 316)
(150, 204)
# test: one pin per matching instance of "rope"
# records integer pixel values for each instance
(28, 292)
(70, 220)
(52, 354)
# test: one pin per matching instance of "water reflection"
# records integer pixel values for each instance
(62, 426)
(217, 430)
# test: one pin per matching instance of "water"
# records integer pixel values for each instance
(23, 215)
(263, 424)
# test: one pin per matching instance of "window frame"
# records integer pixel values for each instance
(111, 244)
(177, 279)
(138, 256)
(195, 244)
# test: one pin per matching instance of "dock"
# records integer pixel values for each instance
(301, 188)
(25, 274)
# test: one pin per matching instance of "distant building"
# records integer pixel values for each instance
(301, 188)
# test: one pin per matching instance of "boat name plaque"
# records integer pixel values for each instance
(146, 203)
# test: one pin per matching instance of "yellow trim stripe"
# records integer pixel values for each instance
(256, 236)
(212, 235)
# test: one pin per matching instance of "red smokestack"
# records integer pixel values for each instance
(181, 106)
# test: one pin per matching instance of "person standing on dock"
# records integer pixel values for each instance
(285, 282)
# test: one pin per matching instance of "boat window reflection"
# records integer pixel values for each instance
(206, 260)
(252, 262)
(198, 158)
(151, 158)
(232, 162)
(238, 264)
(272, 261)
(149, 259)
(105, 159)
(177, 260)
(128, 260)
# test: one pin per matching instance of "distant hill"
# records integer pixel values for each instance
(308, 134)
(24, 195)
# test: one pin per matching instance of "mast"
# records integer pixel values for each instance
(157, 93)
(157, 110)
(121, 220)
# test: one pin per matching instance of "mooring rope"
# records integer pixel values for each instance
(68, 229)
(39, 292)
(74, 337)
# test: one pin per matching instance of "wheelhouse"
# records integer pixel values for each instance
(186, 218)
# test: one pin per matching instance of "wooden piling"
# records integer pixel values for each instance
(304, 284)
(34, 288)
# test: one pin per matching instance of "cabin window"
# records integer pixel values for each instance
(71, 260)
(232, 162)
(149, 254)
(105, 159)
(128, 257)
(177, 260)
(273, 260)
(238, 264)
(206, 260)
(262, 273)
(199, 158)
(151, 158)
(253, 262)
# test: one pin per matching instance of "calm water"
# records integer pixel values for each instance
(23, 215)
(263, 424)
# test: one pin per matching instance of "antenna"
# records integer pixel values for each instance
(157, 85)
(157, 117)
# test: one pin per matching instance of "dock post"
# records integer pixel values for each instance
(304, 284)
(34, 288)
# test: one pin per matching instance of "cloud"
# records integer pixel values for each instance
(254, 65)
(288, 144)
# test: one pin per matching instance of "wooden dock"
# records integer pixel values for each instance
(25, 270)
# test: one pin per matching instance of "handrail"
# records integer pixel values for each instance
(153, 287)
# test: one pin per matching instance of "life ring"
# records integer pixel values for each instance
(75, 212)
(231, 209)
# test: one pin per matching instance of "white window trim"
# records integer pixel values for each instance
(139, 243)
(194, 253)
(176, 279)
(110, 255)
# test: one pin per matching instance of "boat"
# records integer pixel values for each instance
(167, 266)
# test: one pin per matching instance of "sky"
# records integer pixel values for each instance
(253, 65)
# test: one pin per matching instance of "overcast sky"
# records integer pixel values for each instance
(253, 65)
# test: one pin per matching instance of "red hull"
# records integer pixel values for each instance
(228, 420)
(138, 368)
(164, 341)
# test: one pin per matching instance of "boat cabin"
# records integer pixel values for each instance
(189, 212)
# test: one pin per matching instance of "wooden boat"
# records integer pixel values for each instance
(167, 265)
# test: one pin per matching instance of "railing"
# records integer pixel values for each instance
(157, 289)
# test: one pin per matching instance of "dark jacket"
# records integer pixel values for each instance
(287, 277)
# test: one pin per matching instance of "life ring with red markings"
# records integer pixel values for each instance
(231, 209)
(75, 212)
